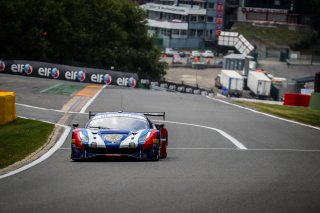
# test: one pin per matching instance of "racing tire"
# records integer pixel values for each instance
(157, 154)
(165, 144)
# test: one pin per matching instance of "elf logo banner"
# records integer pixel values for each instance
(2, 66)
(101, 78)
(22, 68)
(75, 75)
(131, 82)
(28, 69)
(47, 72)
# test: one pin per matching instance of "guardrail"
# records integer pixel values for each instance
(181, 88)
(68, 73)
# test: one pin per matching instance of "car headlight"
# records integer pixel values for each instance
(83, 137)
(144, 137)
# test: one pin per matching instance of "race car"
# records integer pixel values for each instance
(116, 134)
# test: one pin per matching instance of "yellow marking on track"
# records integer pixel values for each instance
(89, 91)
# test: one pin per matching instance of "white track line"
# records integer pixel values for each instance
(262, 113)
(47, 109)
(232, 149)
(286, 150)
(84, 108)
(283, 150)
(57, 145)
(54, 86)
(237, 143)
(67, 148)
(186, 148)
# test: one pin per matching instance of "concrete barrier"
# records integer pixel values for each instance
(7, 107)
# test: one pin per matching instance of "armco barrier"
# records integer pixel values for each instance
(315, 101)
(293, 99)
(7, 107)
(68, 73)
(176, 87)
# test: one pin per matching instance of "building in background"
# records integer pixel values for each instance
(185, 23)
(280, 11)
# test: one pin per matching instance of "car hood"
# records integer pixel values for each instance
(114, 138)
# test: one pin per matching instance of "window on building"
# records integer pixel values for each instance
(201, 19)
(193, 33)
(200, 33)
(175, 32)
(193, 18)
(185, 18)
(196, 5)
(166, 32)
(183, 32)
(211, 5)
(210, 19)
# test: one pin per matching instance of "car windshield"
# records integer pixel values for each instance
(117, 122)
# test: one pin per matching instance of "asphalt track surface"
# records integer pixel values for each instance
(205, 172)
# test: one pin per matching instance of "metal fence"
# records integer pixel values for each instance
(304, 59)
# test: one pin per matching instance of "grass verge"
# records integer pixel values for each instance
(20, 138)
(276, 35)
(300, 114)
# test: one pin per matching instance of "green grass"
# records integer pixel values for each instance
(277, 35)
(300, 114)
(20, 138)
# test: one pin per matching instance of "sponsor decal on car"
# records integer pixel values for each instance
(107, 115)
(113, 137)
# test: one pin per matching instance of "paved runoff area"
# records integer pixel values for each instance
(221, 158)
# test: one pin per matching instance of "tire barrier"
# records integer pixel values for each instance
(7, 107)
(182, 88)
(68, 73)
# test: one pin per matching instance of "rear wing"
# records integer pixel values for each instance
(154, 114)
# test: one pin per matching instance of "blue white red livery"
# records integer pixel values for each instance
(115, 134)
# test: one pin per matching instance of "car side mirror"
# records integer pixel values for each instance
(75, 125)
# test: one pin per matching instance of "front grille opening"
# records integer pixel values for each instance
(124, 151)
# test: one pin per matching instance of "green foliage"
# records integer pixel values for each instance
(310, 8)
(99, 33)
(20, 138)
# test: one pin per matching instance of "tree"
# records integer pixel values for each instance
(309, 8)
(100, 33)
